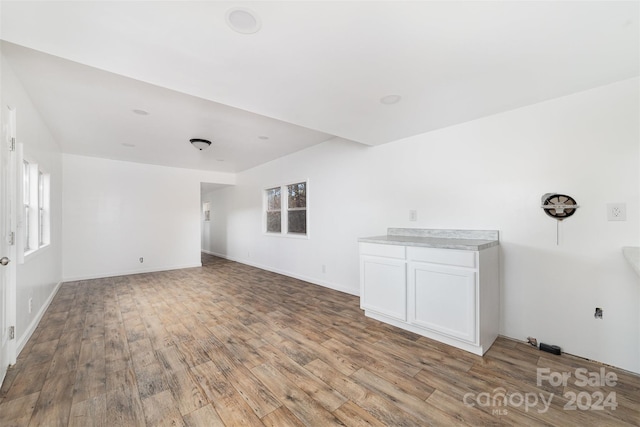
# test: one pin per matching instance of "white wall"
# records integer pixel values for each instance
(485, 174)
(116, 212)
(41, 273)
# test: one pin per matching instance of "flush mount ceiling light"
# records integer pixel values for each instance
(200, 144)
(243, 20)
(390, 99)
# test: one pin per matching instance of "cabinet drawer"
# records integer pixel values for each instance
(443, 256)
(387, 251)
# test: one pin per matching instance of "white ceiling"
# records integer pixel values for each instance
(313, 71)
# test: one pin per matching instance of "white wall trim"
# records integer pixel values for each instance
(22, 341)
(311, 280)
(129, 272)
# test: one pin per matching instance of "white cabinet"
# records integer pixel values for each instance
(383, 269)
(446, 294)
(443, 299)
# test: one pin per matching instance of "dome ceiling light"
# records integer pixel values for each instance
(199, 143)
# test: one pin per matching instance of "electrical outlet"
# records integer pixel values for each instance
(30, 304)
(616, 211)
(413, 215)
(324, 268)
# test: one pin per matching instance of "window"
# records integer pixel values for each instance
(44, 217)
(26, 197)
(297, 208)
(290, 219)
(274, 212)
(35, 197)
(40, 208)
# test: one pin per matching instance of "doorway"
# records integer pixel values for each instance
(211, 237)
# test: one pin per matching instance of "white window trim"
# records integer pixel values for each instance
(45, 226)
(36, 245)
(266, 211)
(284, 207)
(26, 189)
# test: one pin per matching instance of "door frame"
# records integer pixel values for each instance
(8, 212)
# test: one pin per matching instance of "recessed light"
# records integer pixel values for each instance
(390, 99)
(243, 20)
(263, 137)
(141, 112)
(127, 144)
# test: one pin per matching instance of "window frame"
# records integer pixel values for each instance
(269, 210)
(290, 209)
(27, 204)
(35, 197)
(41, 208)
(285, 209)
(44, 225)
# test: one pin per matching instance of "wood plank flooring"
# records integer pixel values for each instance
(232, 345)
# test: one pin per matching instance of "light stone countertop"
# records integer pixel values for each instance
(632, 254)
(468, 240)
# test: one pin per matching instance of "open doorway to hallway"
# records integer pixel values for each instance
(210, 225)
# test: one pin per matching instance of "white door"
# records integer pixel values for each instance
(7, 242)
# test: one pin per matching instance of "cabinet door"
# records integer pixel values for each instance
(443, 299)
(383, 286)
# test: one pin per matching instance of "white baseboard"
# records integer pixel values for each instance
(130, 272)
(22, 341)
(315, 281)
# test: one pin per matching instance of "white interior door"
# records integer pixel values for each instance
(7, 242)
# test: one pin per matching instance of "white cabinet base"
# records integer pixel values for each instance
(452, 296)
(478, 349)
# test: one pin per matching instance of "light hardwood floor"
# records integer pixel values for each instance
(232, 345)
